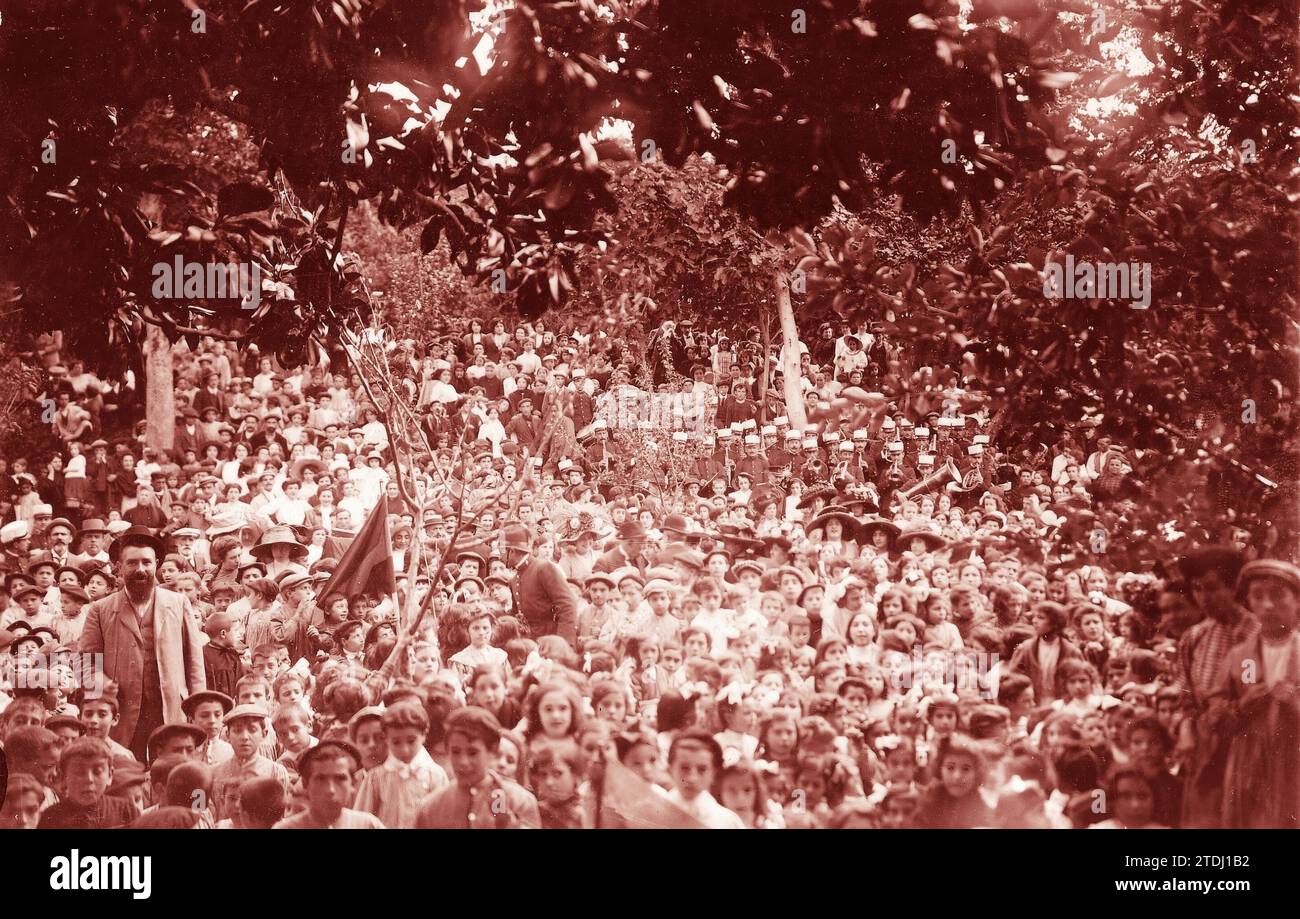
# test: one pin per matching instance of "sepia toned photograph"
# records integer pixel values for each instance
(649, 414)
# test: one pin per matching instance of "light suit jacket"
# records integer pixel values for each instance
(113, 629)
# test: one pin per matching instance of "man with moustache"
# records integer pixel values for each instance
(150, 641)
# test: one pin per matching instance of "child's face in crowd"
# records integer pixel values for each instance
(489, 692)
(63, 736)
(245, 735)
(293, 732)
(86, 778)
(469, 757)
(963, 606)
(738, 792)
(782, 735)
(742, 718)
(855, 698)
(813, 785)
(404, 742)
(943, 720)
(648, 656)
(208, 715)
(1116, 673)
(836, 654)
(1135, 697)
(1275, 603)
(1094, 731)
(697, 646)
(508, 760)
(372, 743)
(253, 694)
(555, 782)
(21, 812)
(641, 760)
(354, 641)
(612, 708)
(1090, 627)
(291, 694)
(861, 631)
(897, 813)
(264, 665)
(1079, 686)
(138, 798)
(423, 663)
(555, 714)
(901, 766)
(959, 775)
(800, 634)
(1055, 736)
(480, 632)
(831, 682)
(98, 718)
(692, 771)
(1145, 750)
(875, 684)
(907, 632)
(1134, 802)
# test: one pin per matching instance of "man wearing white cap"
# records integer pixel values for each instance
(752, 462)
(782, 455)
(184, 540)
(16, 538)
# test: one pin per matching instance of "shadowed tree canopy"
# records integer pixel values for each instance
(348, 100)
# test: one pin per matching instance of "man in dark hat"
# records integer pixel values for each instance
(189, 436)
(628, 552)
(542, 596)
(150, 641)
(93, 535)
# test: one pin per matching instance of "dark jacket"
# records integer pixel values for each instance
(223, 668)
(108, 813)
(545, 600)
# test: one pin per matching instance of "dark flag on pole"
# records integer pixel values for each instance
(366, 566)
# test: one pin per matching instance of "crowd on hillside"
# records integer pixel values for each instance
(664, 603)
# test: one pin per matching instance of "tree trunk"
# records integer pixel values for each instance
(790, 355)
(159, 391)
(765, 373)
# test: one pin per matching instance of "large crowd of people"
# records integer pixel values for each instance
(625, 590)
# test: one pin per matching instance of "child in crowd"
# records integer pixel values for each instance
(394, 791)
(85, 773)
(480, 652)
(556, 769)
